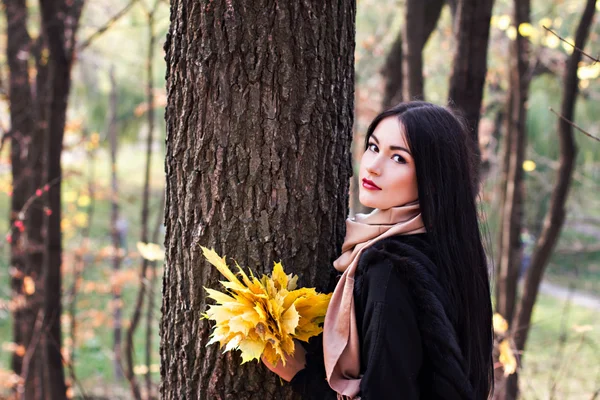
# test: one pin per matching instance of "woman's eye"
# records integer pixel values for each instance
(399, 159)
(373, 147)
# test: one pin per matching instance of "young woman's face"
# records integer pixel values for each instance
(387, 176)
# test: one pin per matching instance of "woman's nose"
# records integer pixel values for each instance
(373, 166)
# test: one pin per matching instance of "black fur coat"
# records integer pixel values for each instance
(409, 348)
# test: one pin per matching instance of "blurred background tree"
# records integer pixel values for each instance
(547, 285)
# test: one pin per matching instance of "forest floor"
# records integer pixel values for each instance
(579, 298)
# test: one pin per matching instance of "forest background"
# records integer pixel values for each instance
(113, 181)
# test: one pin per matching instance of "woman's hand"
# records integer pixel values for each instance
(293, 364)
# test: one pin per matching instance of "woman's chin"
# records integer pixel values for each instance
(367, 202)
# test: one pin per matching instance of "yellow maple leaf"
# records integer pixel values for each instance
(280, 279)
(499, 323)
(270, 354)
(150, 251)
(262, 317)
(251, 349)
(221, 265)
(507, 358)
(289, 320)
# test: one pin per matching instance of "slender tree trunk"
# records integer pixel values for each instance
(150, 139)
(116, 229)
(512, 209)
(555, 216)
(393, 74)
(37, 176)
(412, 50)
(139, 305)
(59, 21)
(150, 309)
(513, 191)
(259, 124)
(38, 108)
(80, 260)
(392, 70)
(21, 134)
(469, 65)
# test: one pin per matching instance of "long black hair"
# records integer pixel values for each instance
(444, 157)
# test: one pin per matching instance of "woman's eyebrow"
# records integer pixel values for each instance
(391, 147)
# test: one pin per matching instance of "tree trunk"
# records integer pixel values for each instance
(512, 209)
(150, 321)
(22, 132)
(59, 23)
(259, 124)
(139, 305)
(37, 109)
(116, 229)
(393, 74)
(79, 262)
(412, 51)
(150, 140)
(392, 70)
(469, 66)
(512, 185)
(555, 216)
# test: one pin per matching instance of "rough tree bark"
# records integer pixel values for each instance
(259, 124)
(392, 69)
(555, 216)
(469, 66)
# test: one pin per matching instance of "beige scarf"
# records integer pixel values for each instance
(341, 348)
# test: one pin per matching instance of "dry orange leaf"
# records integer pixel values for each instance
(28, 285)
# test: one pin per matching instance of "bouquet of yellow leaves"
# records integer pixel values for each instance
(263, 317)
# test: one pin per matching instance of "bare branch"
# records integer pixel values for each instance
(574, 125)
(151, 11)
(107, 25)
(595, 59)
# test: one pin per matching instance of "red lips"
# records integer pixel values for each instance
(368, 184)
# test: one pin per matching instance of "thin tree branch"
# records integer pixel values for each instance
(595, 59)
(33, 344)
(84, 44)
(575, 126)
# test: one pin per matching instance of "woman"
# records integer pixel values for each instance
(411, 315)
